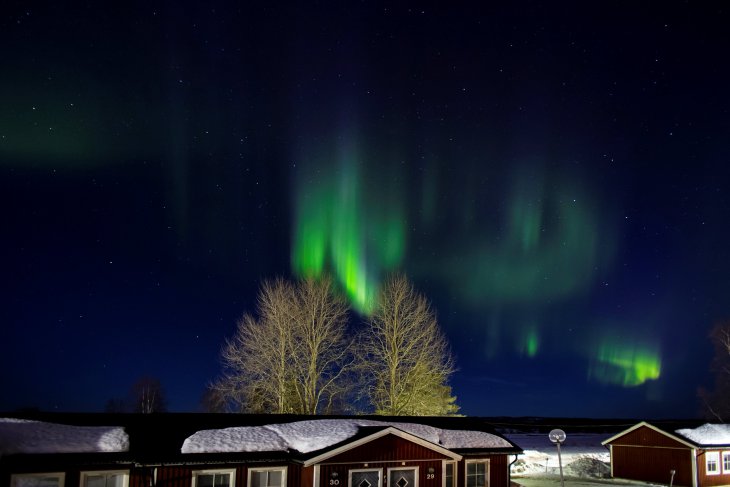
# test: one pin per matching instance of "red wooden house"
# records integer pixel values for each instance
(255, 451)
(696, 457)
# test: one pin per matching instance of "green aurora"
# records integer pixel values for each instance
(359, 235)
(625, 363)
(546, 246)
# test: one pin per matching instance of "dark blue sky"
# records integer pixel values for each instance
(554, 179)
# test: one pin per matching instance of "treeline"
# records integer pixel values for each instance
(299, 354)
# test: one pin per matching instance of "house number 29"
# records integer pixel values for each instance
(430, 476)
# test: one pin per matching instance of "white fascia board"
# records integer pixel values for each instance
(644, 423)
(379, 434)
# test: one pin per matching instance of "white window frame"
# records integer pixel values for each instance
(231, 471)
(379, 470)
(413, 468)
(485, 461)
(84, 474)
(725, 455)
(453, 472)
(267, 469)
(712, 456)
(60, 475)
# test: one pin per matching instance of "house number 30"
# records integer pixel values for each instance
(334, 481)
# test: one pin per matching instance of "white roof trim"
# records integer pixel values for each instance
(644, 423)
(390, 430)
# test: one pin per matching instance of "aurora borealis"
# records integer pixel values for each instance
(343, 228)
(554, 180)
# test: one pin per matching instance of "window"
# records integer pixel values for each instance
(214, 478)
(37, 480)
(477, 473)
(712, 462)
(267, 477)
(105, 479)
(449, 470)
(726, 462)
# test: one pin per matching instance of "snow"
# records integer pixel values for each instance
(582, 455)
(708, 434)
(313, 435)
(25, 436)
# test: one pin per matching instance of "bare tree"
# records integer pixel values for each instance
(321, 355)
(148, 396)
(212, 401)
(717, 402)
(293, 357)
(406, 358)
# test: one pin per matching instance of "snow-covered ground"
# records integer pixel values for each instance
(582, 455)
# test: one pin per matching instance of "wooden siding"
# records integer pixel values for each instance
(141, 477)
(388, 448)
(173, 476)
(711, 480)
(498, 471)
(645, 436)
(652, 464)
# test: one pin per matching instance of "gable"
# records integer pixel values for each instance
(644, 434)
(388, 448)
(389, 444)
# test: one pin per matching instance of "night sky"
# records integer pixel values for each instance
(554, 178)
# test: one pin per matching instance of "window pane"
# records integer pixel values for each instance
(37, 481)
(275, 478)
(205, 480)
(476, 474)
(449, 475)
(258, 479)
(222, 480)
(115, 480)
(95, 481)
(712, 462)
(726, 462)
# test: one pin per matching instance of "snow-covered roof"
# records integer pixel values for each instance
(708, 434)
(312, 435)
(25, 436)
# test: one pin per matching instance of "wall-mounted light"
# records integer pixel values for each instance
(334, 475)
(431, 470)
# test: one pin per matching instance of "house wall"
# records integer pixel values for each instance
(182, 476)
(652, 464)
(392, 451)
(498, 470)
(385, 452)
(342, 470)
(649, 455)
(72, 473)
(705, 480)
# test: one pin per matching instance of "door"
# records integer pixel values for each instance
(403, 477)
(365, 477)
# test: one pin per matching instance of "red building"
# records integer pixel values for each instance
(253, 451)
(692, 457)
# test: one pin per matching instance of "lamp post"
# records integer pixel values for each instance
(558, 437)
